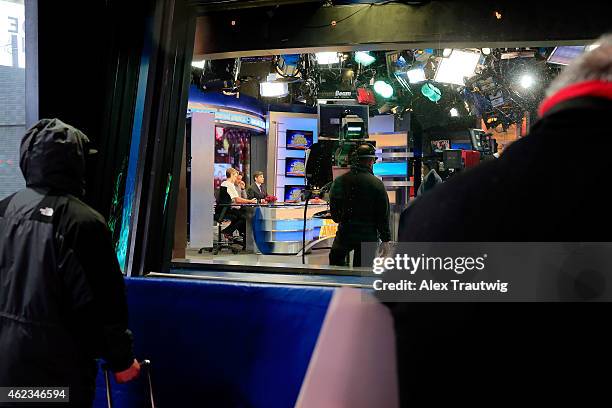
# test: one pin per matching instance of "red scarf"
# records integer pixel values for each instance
(599, 89)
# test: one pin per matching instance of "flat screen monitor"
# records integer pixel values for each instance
(391, 169)
(219, 170)
(299, 139)
(330, 118)
(452, 159)
(295, 167)
(293, 193)
(464, 145)
(564, 55)
(440, 144)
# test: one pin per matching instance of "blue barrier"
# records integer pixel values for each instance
(221, 344)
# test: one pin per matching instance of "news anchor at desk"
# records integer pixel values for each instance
(229, 195)
(258, 190)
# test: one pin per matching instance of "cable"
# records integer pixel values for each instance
(342, 19)
(361, 9)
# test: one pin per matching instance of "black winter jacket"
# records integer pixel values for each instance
(548, 186)
(62, 295)
(360, 204)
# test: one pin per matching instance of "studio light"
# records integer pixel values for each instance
(431, 92)
(198, 64)
(527, 81)
(287, 65)
(458, 65)
(416, 75)
(383, 89)
(273, 89)
(327, 58)
(364, 58)
(454, 112)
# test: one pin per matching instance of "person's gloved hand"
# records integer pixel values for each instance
(129, 374)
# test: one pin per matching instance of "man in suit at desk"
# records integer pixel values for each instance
(258, 190)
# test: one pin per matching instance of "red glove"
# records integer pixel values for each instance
(129, 374)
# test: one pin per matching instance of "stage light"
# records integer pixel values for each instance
(383, 89)
(273, 89)
(486, 51)
(431, 92)
(416, 75)
(454, 112)
(527, 81)
(198, 64)
(327, 58)
(460, 64)
(364, 58)
(447, 52)
(287, 65)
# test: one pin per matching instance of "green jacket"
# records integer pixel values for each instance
(359, 203)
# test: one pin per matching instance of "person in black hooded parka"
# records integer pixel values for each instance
(62, 295)
(548, 186)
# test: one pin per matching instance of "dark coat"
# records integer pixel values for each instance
(62, 295)
(547, 186)
(360, 204)
(253, 192)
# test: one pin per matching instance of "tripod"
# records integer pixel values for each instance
(309, 192)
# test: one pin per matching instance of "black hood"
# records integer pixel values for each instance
(53, 157)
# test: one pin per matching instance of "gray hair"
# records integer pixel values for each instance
(592, 65)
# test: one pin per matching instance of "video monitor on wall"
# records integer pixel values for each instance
(391, 169)
(330, 118)
(293, 193)
(299, 139)
(440, 144)
(219, 173)
(461, 145)
(295, 167)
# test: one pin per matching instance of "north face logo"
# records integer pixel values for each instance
(47, 212)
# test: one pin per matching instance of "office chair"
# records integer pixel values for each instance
(220, 243)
